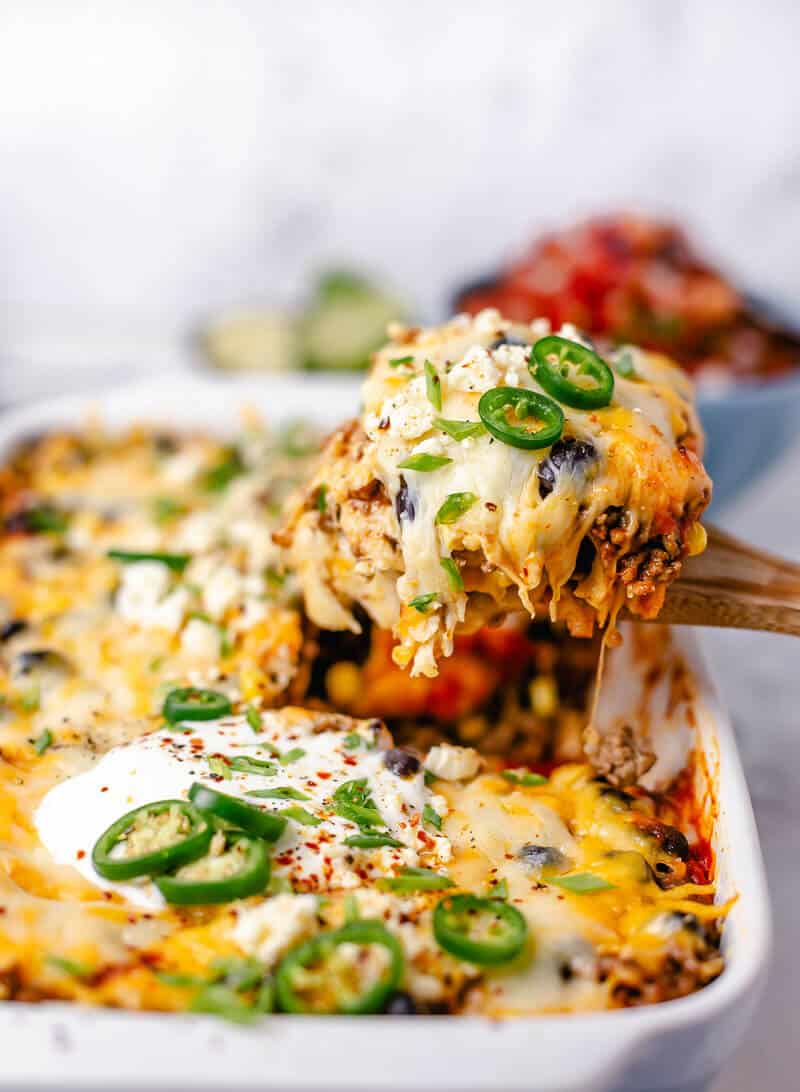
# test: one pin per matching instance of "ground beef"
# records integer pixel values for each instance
(618, 755)
(658, 562)
(689, 962)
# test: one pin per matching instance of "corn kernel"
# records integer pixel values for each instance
(543, 693)
(342, 682)
(697, 539)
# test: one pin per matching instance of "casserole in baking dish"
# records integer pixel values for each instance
(515, 787)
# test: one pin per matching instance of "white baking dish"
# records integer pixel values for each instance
(667, 1046)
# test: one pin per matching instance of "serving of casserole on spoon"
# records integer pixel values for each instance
(497, 466)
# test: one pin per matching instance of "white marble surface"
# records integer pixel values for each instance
(760, 677)
(160, 161)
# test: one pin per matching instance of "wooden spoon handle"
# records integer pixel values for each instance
(737, 586)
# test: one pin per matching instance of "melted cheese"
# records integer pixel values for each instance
(512, 543)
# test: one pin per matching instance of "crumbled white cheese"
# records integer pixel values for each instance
(409, 412)
(270, 928)
(181, 468)
(200, 641)
(476, 371)
(453, 763)
(143, 596)
(199, 531)
(488, 320)
(221, 591)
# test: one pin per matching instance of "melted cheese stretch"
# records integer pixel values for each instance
(376, 541)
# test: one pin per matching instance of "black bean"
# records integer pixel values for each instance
(541, 856)
(585, 558)
(401, 1004)
(510, 339)
(399, 762)
(618, 800)
(404, 505)
(12, 628)
(674, 842)
(165, 444)
(565, 455)
(40, 658)
(30, 660)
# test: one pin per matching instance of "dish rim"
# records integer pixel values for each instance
(67, 1046)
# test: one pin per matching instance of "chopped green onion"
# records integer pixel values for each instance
(301, 816)
(279, 885)
(498, 889)
(42, 742)
(176, 562)
(181, 981)
(460, 430)
(283, 792)
(429, 778)
(274, 577)
(415, 879)
(524, 778)
(30, 699)
(353, 801)
(253, 718)
(422, 603)
(453, 573)
(433, 386)
(219, 477)
(258, 766)
(432, 816)
(424, 463)
(372, 840)
(220, 1000)
(454, 506)
(581, 883)
(625, 365)
(400, 361)
(322, 498)
(46, 520)
(73, 967)
(291, 756)
(166, 509)
(219, 767)
(351, 908)
(352, 741)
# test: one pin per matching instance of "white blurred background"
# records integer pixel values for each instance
(161, 162)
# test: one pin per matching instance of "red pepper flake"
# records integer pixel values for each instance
(350, 761)
(104, 788)
(323, 775)
(313, 846)
(81, 854)
(492, 507)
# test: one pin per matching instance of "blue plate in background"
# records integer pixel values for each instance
(747, 429)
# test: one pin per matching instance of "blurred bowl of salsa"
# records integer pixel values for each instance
(631, 279)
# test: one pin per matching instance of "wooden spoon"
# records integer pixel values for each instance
(736, 586)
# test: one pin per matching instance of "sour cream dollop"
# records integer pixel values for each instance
(317, 759)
